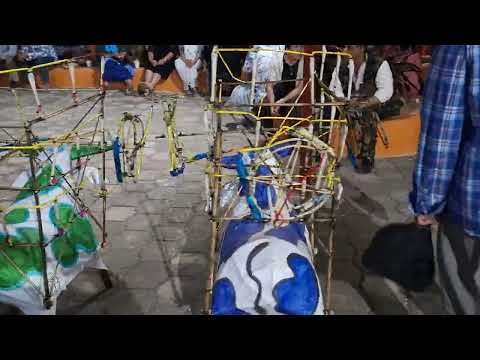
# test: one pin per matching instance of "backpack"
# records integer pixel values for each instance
(402, 253)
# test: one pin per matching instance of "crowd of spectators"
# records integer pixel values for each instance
(159, 61)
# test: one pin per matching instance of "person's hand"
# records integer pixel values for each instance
(276, 109)
(161, 62)
(425, 220)
(153, 62)
(358, 103)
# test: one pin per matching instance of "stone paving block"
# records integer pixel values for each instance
(87, 283)
(171, 250)
(361, 230)
(190, 264)
(399, 195)
(198, 232)
(115, 228)
(149, 175)
(191, 188)
(143, 221)
(149, 206)
(120, 213)
(163, 193)
(380, 297)
(169, 181)
(120, 260)
(345, 300)
(127, 302)
(155, 251)
(169, 309)
(131, 239)
(114, 188)
(179, 215)
(129, 199)
(346, 270)
(172, 233)
(140, 187)
(145, 275)
(188, 293)
(183, 201)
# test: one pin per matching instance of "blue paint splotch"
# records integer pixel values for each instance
(237, 233)
(298, 295)
(224, 299)
(292, 233)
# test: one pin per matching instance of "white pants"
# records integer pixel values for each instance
(188, 75)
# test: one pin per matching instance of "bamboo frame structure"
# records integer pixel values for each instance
(324, 174)
(31, 145)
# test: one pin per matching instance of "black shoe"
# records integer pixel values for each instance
(364, 166)
(13, 84)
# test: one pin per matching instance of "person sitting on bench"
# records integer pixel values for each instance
(187, 65)
(161, 63)
(267, 70)
(118, 67)
(32, 55)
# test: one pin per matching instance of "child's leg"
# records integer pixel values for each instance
(148, 76)
(156, 78)
(129, 84)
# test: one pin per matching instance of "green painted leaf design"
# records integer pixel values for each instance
(77, 235)
(17, 262)
(17, 216)
(43, 181)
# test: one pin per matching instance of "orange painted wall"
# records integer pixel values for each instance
(403, 135)
(90, 78)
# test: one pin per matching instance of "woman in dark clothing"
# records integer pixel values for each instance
(161, 63)
(287, 92)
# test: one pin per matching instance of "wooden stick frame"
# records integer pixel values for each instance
(30, 141)
(215, 181)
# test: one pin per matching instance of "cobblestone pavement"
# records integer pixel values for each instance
(159, 233)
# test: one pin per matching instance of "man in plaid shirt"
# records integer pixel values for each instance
(446, 181)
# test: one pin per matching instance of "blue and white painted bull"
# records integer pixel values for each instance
(263, 268)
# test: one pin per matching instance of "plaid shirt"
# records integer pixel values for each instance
(447, 175)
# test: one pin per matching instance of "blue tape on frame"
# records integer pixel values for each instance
(116, 159)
